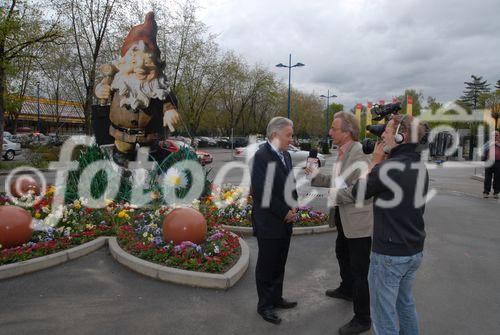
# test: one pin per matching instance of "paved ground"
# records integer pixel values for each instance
(456, 288)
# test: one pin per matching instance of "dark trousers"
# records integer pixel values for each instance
(353, 255)
(492, 173)
(270, 271)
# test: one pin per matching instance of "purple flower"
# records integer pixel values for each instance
(157, 240)
(217, 236)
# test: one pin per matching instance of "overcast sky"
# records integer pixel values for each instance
(364, 50)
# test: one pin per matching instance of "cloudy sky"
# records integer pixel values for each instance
(364, 50)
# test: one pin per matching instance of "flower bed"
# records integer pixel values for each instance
(232, 206)
(140, 235)
(138, 232)
(70, 231)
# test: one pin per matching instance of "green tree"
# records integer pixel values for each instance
(473, 91)
(418, 98)
(433, 104)
(493, 103)
(497, 85)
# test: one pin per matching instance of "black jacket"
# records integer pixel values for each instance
(268, 221)
(398, 230)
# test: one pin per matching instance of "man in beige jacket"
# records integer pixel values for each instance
(354, 223)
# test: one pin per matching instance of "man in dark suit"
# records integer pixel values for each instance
(273, 213)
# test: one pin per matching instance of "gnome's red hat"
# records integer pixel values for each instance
(145, 32)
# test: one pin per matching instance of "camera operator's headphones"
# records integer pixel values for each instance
(399, 137)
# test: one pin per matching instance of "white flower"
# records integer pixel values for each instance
(175, 178)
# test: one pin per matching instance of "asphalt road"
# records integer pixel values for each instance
(456, 288)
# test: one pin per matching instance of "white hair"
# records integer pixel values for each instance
(277, 124)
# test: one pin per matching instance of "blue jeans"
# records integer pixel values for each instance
(390, 279)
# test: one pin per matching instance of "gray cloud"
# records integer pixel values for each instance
(365, 50)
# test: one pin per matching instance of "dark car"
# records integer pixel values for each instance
(236, 142)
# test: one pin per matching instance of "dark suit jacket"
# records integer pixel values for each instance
(268, 221)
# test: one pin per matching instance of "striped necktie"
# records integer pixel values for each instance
(282, 157)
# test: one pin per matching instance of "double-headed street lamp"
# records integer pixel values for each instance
(327, 96)
(289, 66)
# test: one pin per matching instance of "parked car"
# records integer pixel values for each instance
(236, 142)
(7, 135)
(223, 142)
(39, 139)
(298, 156)
(10, 149)
(19, 138)
(204, 157)
(204, 141)
(174, 145)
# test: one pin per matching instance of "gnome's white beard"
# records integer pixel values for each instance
(136, 93)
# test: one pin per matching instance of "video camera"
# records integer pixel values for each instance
(379, 112)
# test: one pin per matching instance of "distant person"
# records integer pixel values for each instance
(273, 219)
(492, 172)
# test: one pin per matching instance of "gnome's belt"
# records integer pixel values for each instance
(130, 131)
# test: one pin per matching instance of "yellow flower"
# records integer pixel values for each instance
(37, 215)
(89, 226)
(51, 190)
(145, 234)
(77, 205)
(123, 215)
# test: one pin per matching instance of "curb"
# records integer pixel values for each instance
(5, 173)
(45, 262)
(477, 177)
(184, 277)
(168, 274)
(248, 231)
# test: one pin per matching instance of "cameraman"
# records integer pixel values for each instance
(398, 182)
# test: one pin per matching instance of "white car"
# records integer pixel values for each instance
(7, 135)
(298, 156)
(10, 149)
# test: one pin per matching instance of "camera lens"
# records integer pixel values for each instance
(368, 146)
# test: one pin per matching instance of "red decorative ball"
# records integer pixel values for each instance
(23, 184)
(184, 224)
(15, 226)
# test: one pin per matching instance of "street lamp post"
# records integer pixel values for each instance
(38, 105)
(327, 96)
(289, 66)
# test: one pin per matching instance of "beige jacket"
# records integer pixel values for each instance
(356, 222)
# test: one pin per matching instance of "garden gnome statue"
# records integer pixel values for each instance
(141, 104)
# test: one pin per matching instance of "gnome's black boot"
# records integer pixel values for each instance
(122, 158)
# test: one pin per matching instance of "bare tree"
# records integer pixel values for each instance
(21, 27)
(89, 21)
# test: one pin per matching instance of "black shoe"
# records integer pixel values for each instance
(285, 304)
(486, 195)
(354, 327)
(338, 294)
(270, 316)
